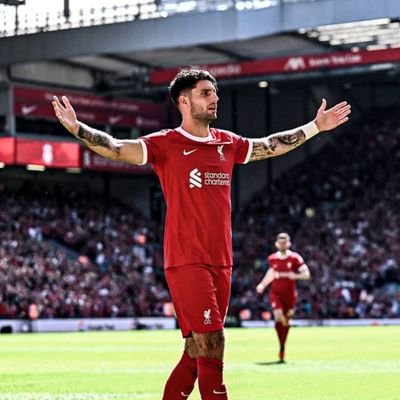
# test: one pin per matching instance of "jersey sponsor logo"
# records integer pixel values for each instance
(220, 150)
(186, 153)
(216, 178)
(195, 179)
(207, 317)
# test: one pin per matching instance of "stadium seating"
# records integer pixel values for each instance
(112, 274)
(77, 257)
(342, 209)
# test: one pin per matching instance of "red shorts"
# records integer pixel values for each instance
(280, 301)
(200, 294)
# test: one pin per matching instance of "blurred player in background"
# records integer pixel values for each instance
(285, 267)
(194, 164)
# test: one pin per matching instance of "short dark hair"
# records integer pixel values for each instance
(187, 79)
(283, 235)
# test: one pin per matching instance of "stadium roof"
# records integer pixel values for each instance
(244, 33)
(251, 49)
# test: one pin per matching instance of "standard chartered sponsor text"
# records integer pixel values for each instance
(216, 178)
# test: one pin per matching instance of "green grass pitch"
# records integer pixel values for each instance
(360, 363)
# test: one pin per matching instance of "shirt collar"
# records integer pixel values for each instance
(194, 138)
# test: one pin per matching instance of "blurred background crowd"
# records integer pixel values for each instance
(74, 255)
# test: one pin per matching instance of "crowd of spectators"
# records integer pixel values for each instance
(342, 209)
(74, 256)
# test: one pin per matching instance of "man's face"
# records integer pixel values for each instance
(203, 101)
(282, 243)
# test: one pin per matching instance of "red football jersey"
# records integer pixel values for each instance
(195, 175)
(291, 262)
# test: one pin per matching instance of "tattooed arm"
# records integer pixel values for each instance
(102, 143)
(277, 144)
(282, 142)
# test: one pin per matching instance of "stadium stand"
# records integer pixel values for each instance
(116, 271)
(341, 207)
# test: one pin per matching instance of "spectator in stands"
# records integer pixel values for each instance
(344, 217)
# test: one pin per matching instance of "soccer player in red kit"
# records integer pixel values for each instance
(285, 267)
(194, 164)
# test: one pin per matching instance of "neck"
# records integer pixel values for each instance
(196, 128)
(283, 252)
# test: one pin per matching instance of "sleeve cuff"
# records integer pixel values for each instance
(144, 151)
(310, 129)
(250, 149)
(302, 268)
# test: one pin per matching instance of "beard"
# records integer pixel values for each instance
(204, 117)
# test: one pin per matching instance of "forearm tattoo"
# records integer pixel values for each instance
(276, 144)
(93, 137)
(293, 139)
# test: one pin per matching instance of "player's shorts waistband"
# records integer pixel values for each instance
(196, 265)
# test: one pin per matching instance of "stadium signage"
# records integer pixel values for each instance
(36, 102)
(47, 153)
(7, 150)
(87, 324)
(306, 63)
(58, 154)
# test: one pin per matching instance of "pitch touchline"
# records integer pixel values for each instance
(74, 396)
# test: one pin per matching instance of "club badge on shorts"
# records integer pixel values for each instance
(207, 317)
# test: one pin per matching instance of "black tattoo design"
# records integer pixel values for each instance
(270, 145)
(93, 137)
(292, 139)
(261, 150)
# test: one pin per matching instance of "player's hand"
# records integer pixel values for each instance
(332, 118)
(260, 288)
(291, 275)
(66, 114)
(278, 274)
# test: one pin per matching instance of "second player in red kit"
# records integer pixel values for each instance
(285, 267)
(194, 164)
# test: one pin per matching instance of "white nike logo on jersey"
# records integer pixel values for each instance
(215, 392)
(185, 395)
(186, 153)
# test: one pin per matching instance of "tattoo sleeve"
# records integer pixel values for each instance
(94, 137)
(277, 144)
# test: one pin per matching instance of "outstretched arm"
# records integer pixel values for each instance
(101, 142)
(282, 142)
